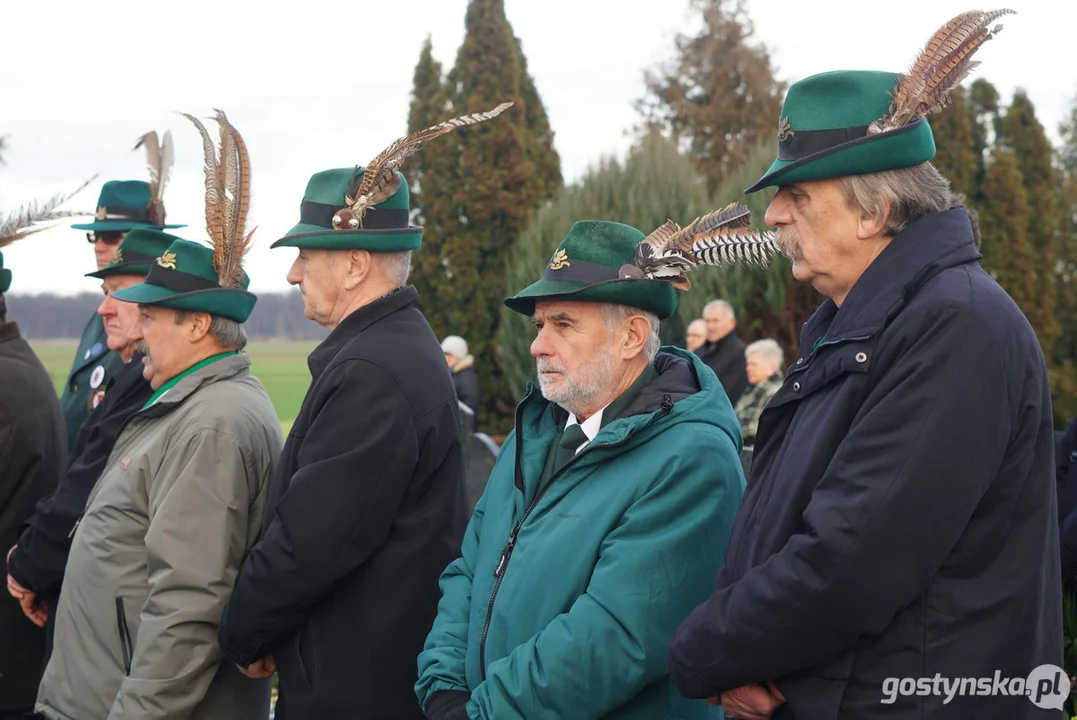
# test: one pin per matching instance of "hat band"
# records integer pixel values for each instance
(803, 143)
(124, 213)
(316, 213)
(581, 271)
(179, 281)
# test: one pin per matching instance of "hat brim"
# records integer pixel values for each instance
(306, 235)
(141, 269)
(907, 146)
(653, 296)
(121, 225)
(232, 303)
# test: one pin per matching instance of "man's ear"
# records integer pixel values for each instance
(357, 269)
(637, 330)
(870, 226)
(198, 326)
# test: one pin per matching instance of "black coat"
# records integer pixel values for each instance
(33, 450)
(38, 562)
(366, 510)
(466, 382)
(900, 518)
(726, 358)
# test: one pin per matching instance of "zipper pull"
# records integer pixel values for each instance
(76, 527)
(504, 559)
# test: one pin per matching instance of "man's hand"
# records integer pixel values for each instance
(260, 669)
(32, 607)
(752, 702)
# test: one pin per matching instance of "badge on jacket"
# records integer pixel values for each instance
(96, 397)
(94, 351)
(97, 377)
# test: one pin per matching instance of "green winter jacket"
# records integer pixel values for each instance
(565, 597)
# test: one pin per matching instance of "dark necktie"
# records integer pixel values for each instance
(571, 438)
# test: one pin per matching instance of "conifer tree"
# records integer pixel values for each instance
(478, 187)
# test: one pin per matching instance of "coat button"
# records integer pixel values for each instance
(796, 387)
(800, 361)
(861, 357)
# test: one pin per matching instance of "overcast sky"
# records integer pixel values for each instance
(317, 84)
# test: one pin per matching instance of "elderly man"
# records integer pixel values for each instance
(36, 565)
(166, 527)
(695, 335)
(723, 351)
(763, 363)
(899, 529)
(368, 501)
(605, 517)
(33, 446)
(122, 206)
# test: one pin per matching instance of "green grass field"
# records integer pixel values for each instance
(280, 366)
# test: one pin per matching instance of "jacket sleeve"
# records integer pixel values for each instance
(652, 569)
(441, 663)
(892, 504)
(338, 509)
(199, 506)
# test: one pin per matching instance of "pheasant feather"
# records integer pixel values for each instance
(29, 218)
(720, 238)
(944, 62)
(160, 158)
(228, 173)
(379, 181)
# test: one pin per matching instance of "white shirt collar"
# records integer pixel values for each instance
(590, 426)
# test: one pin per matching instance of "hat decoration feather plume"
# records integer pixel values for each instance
(160, 157)
(944, 62)
(379, 181)
(228, 198)
(721, 238)
(29, 218)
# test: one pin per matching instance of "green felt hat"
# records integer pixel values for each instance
(124, 205)
(183, 278)
(5, 276)
(386, 227)
(137, 254)
(587, 267)
(823, 130)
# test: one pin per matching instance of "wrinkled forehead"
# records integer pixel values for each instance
(566, 310)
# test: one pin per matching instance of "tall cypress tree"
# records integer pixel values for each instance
(958, 155)
(478, 188)
(428, 99)
(1022, 134)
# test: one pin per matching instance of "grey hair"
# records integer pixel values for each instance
(722, 305)
(396, 266)
(911, 192)
(228, 333)
(615, 315)
(768, 349)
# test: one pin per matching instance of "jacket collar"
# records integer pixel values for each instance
(223, 369)
(925, 248)
(356, 323)
(9, 330)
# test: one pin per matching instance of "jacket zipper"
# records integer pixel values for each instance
(126, 645)
(506, 554)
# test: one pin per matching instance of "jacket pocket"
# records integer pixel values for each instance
(127, 646)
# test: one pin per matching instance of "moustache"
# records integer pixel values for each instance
(788, 242)
(546, 366)
(141, 348)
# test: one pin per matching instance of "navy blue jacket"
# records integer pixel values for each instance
(900, 520)
(45, 538)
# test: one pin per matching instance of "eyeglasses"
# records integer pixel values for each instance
(109, 238)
